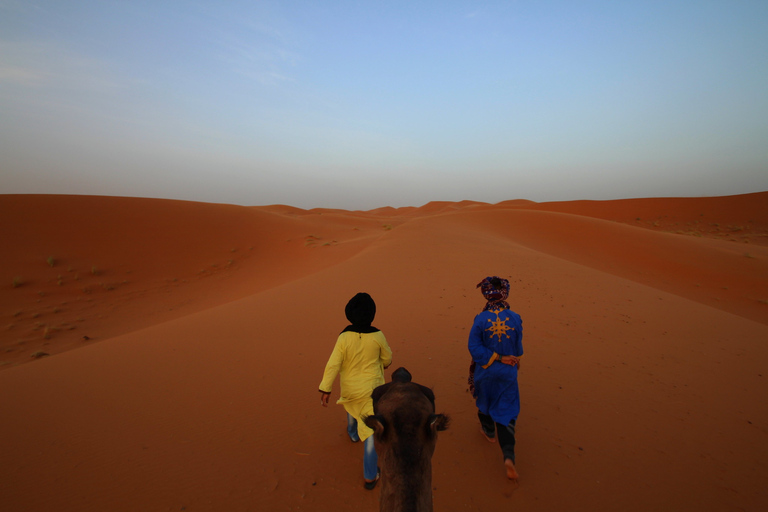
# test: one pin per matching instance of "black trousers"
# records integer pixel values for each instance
(505, 433)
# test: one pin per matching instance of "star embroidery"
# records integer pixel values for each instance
(499, 327)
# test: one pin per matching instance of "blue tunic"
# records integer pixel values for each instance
(500, 332)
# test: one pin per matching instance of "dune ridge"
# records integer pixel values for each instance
(643, 385)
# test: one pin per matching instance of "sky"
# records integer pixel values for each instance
(363, 104)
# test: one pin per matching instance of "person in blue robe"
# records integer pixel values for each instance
(496, 346)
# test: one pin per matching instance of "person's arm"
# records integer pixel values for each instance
(518, 347)
(332, 369)
(479, 352)
(385, 353)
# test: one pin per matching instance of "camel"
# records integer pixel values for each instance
(405, 430)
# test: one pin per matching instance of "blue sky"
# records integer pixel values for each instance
(358, 105)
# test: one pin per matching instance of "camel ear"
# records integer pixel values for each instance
(439, 422)
(401, 375)
(429, 394)
(377, 423)
(378, 393)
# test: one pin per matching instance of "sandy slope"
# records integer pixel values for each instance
(643, 385)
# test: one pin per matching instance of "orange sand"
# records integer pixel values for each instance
(201, 332)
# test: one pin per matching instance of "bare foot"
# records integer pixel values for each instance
(511, 471)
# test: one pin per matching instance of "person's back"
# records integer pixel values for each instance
(363, 367)
(500, 329)
(359, 357)
(495, 344)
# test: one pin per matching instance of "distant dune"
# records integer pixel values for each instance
(165, 355)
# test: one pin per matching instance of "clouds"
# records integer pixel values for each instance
(396, 100)
(264, 62)
(39, 64)
(50, 95)
(18, 75)
(252, 41)
(21, 64)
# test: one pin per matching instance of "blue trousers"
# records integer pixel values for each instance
(370, 457)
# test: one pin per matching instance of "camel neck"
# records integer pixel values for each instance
(408, 492)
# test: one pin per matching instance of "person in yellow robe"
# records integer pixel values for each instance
(359, 357)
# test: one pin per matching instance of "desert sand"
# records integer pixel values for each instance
(163, 355)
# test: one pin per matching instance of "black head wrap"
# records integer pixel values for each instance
(360, 311)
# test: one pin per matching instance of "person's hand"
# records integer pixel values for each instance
(511, 361)
(324, 397)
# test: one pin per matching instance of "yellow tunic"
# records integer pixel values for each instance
(359, 360)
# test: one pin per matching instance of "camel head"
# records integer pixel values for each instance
(405, 430)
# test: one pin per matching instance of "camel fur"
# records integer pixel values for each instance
(405, 433)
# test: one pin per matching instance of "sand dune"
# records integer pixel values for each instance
(208, 327)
